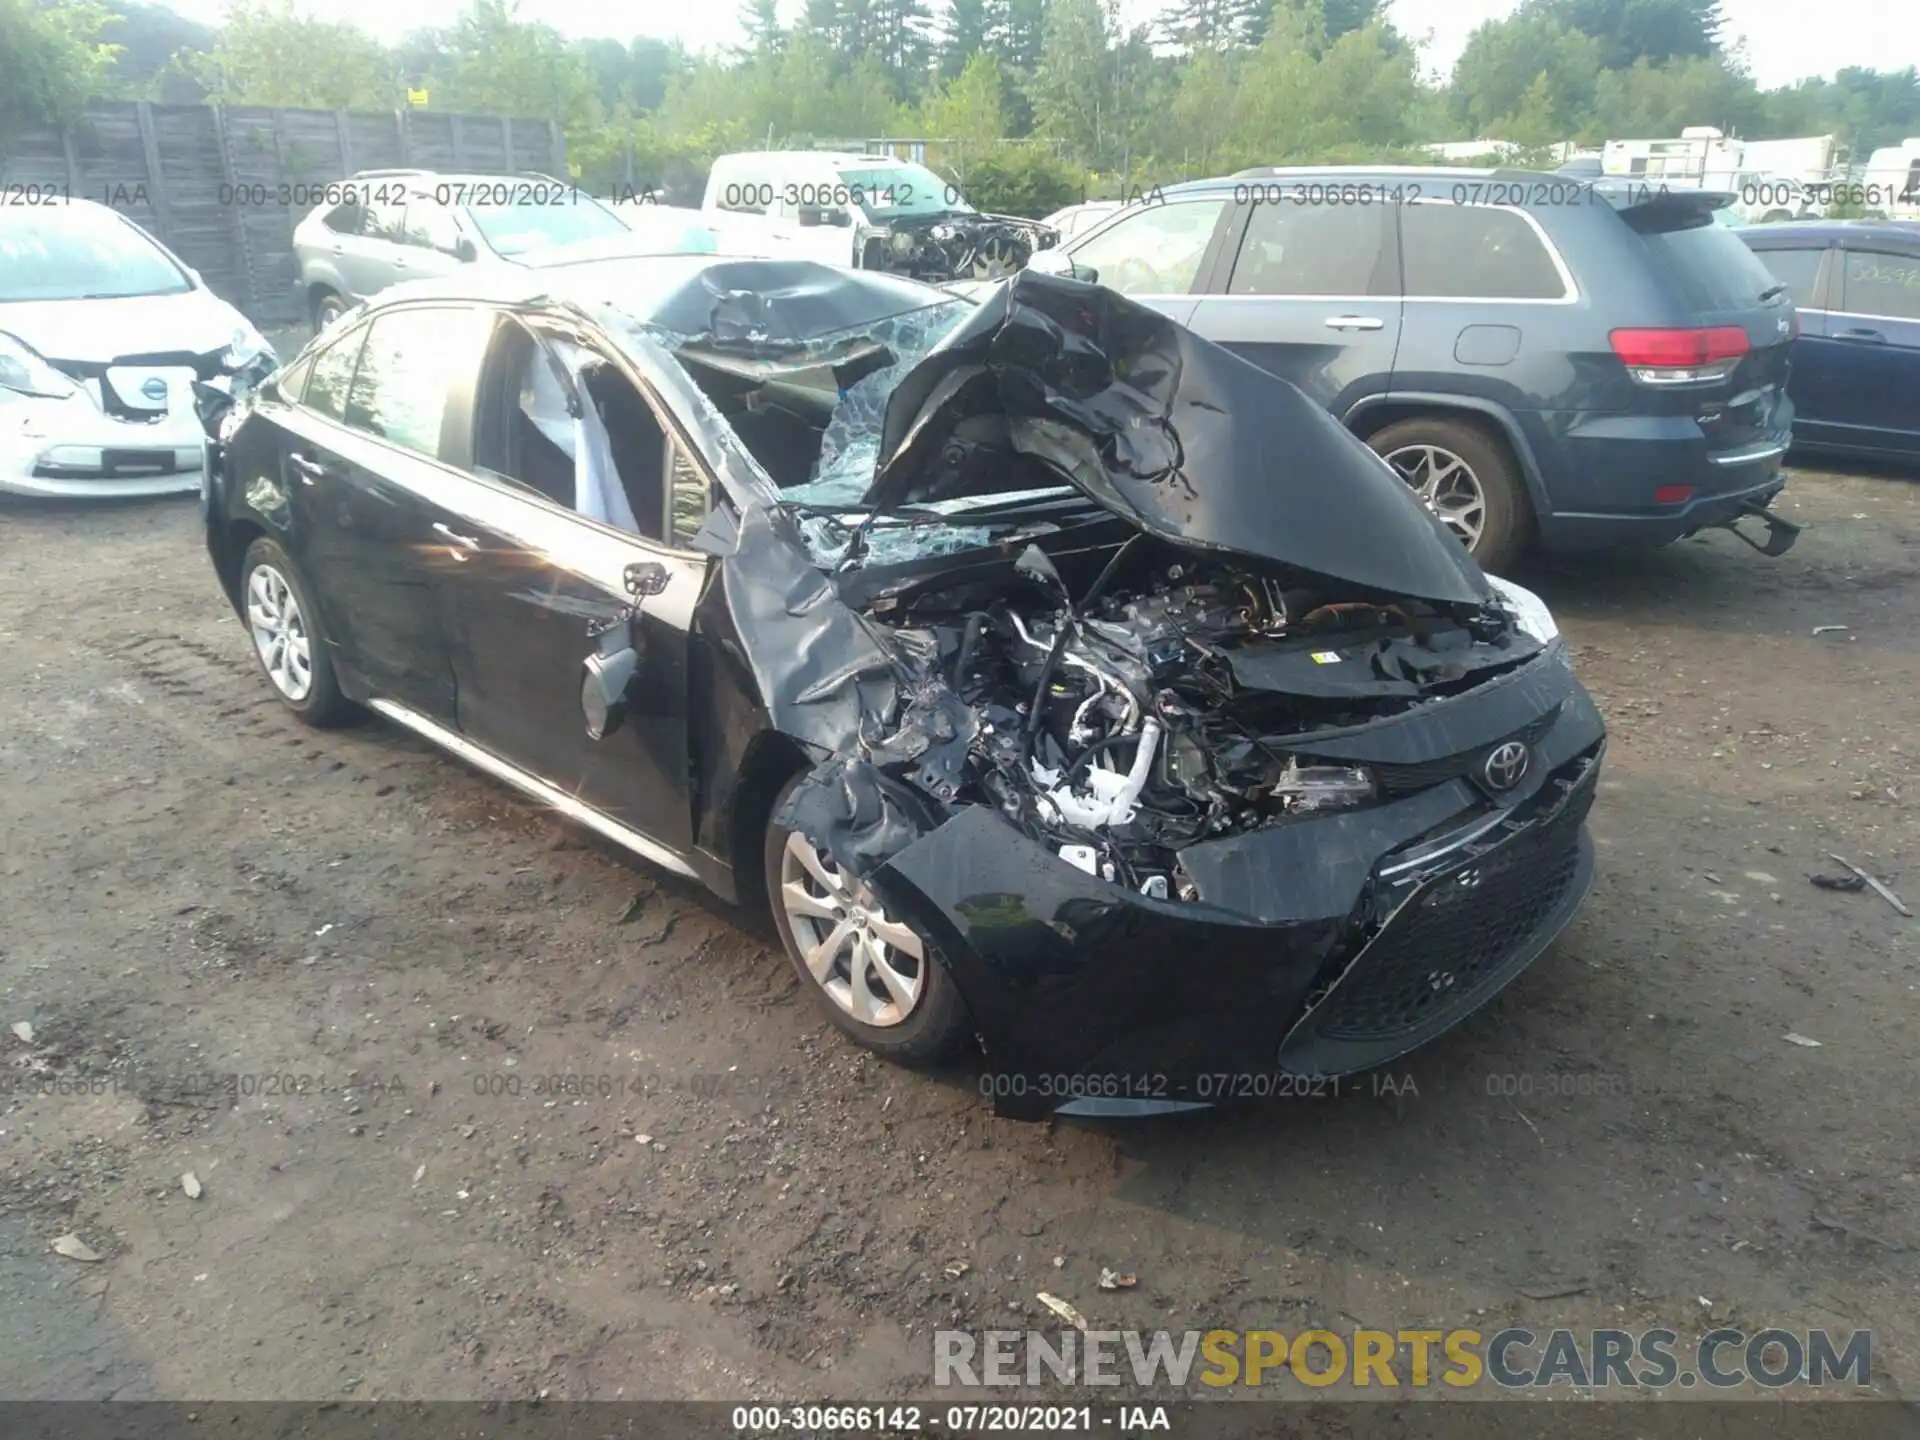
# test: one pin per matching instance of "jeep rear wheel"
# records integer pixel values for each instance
(1468, 479)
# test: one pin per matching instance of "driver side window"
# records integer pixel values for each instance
(1156, 250)
(559, 419)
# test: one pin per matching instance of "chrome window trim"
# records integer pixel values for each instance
(1864, 315)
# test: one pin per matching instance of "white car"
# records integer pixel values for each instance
(104, 335)
(1077, 219)
(867, 212)
(673, 229)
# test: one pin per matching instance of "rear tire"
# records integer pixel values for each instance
(284, 625)
(909, 1010)
(1468, 478)
(327, 308)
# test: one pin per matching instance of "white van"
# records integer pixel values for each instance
(1892, 180)
(869, 212)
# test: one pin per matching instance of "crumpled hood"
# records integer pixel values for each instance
(1171, 432)
(95, 331)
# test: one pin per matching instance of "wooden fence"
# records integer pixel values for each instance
(223, 186)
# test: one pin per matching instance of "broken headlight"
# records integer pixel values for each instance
(1305, 789)
(1529, 611)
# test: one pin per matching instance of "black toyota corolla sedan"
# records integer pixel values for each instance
(1064, 684)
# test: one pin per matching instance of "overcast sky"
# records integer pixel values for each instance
(1786, 40)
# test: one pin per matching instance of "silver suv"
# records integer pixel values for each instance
(385, 226)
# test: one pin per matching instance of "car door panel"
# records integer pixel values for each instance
(1870, 353)
(364, 528)
(1308, 293)
(528, 592)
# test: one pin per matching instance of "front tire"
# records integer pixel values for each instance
(1468, 479)
(284, 626)
(876, 978)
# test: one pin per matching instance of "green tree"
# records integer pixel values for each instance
(970, 108)
(1645, 99)
(898, 34)
(268, 52)
(1632, 30)
(51, 62)
(1529, 59)
(499, 64)
(761, 21)
(1071, 84)
(963, 34)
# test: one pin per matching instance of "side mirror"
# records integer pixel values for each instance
(603, 691)
(465, 250)
(1056, 261)
(649, 577)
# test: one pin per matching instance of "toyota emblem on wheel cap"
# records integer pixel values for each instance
(1505, 765)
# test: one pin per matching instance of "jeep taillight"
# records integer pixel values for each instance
(1681, 356)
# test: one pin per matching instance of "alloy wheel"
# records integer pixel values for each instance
(280, 632)
(1447, 486)
(870, 965)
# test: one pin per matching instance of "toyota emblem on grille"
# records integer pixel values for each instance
(154, 389)
(1505, 766)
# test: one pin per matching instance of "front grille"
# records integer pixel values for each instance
(1398, 780)
(204, 367)
(1448, 949)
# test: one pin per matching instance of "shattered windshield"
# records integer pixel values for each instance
(810, 413)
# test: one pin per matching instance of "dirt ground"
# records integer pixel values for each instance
(195, 884)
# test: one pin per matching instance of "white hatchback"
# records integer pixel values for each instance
(104, 335)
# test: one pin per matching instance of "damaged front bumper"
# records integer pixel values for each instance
(70, 447)
(1316, 949)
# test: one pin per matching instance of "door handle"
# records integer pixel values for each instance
(1355, 322)
(465, 542)
(1872, 337)
(307, 468)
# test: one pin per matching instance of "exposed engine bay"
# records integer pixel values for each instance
(957, 245)
(1175, 701)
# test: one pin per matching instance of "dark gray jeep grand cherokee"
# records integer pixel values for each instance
(1573, 363)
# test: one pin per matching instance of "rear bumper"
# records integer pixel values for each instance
(1601, 473)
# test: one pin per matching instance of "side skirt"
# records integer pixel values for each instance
(574, 809)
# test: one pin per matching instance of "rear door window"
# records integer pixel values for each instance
(411, 359)
(1882, 285)
(1156, 250)
(1711, 266)
(332, 373)
(1799, 271)
(1295, 249)
(1475, 252)
(346, 218)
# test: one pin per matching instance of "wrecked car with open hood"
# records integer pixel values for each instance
(1065, 684)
